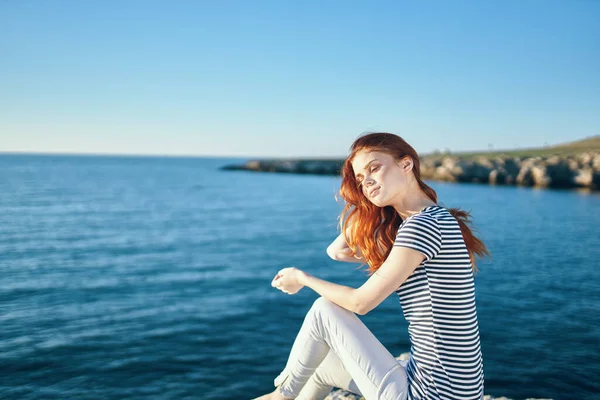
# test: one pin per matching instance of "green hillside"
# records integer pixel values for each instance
(591, 144)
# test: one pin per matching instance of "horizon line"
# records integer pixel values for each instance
(43, 153)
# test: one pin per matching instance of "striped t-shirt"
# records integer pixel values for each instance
(438, 301)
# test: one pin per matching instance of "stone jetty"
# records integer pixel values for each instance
(579, 170)
(576, 171)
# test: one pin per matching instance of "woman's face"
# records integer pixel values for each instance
(380, 177)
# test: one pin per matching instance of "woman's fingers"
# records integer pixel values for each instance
(277, 282)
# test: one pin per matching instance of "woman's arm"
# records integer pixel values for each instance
(401, 262)
(339, 251)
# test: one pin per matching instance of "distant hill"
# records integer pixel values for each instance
(569, 165)
(591, 144)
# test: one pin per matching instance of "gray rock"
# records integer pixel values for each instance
(539, 174)
(512, 166)
(340, 394)
(485, 162)
(525, 177)
(574, 164)
(510, 179)
(584, 177)
(587, 178)
(497, 177)
(586, 158)
(596, 162)
(442, 173)
(582, 170)
(480, 171)
(560, 172)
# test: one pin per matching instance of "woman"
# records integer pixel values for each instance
(414, 247)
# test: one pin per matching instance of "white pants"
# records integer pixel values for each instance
(334, 348)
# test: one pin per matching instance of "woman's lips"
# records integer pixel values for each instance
(374, 192)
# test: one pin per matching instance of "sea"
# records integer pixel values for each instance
(130, 277)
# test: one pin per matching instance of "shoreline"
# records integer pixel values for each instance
(576, 171)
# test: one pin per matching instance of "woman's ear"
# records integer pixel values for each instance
(407, 164)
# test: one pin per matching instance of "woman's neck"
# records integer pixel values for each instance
(410, 206)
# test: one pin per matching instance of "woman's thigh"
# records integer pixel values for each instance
(329, 328)
(374, 369)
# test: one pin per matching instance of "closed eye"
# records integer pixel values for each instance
(372, 169)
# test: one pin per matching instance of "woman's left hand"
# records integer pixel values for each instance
(288, 280)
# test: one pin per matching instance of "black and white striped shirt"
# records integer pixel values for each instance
(438, 301)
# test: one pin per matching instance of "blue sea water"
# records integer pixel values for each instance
(149, 278)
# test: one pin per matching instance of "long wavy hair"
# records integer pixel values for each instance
(372, 229)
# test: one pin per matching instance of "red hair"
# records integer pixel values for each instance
(373, 229)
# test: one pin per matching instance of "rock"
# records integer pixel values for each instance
(560, 172)
(577, 171)
(427, 172)
(480, 171)
(288, 166)
(255, 165)
(460, 171)
(586, 158)
(454, 170)
(540, 176)
(512, 166)
(587, 178)
(584, 177)
(485, 161)
(525, 177)
(340, 394)
(510, 179)
(497, 177)
(574, 165)
(344, 395)
(428, 167)
(596, 162)
(444, 174)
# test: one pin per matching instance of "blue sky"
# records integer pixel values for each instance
(295, 78)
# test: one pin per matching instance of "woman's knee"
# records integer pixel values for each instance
(323, 305)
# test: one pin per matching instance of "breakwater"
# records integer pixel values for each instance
(573, 171)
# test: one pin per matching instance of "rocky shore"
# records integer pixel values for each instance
(580, 170)
(345, 395)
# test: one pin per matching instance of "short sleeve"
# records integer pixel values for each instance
(420, 233)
